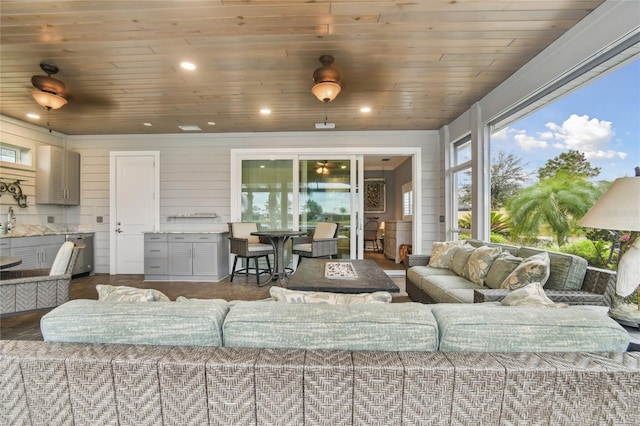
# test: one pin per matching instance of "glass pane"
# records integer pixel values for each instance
(462, 207)
(325, 196)
(267, 188)
(462, 152)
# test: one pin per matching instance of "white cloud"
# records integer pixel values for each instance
(589, 136)
(600, 155)
(527, 143)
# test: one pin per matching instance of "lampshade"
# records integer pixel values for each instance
(618, 208)
(48, 100)
(326, 91)
(327, 79)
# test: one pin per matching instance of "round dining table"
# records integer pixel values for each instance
(9, 261)
(278, 239)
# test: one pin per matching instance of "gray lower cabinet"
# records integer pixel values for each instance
(36, 252)
(186, 256)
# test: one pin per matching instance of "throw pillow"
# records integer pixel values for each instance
(294, 296)
(534, 268)
(460, 262)
(531, 295)
(480, 262)
(500, 269)
(442, 253)
(109, 293)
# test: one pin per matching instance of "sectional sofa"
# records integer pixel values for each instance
(570, 279)
(265, 362)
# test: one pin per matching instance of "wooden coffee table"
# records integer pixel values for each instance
(310, 276)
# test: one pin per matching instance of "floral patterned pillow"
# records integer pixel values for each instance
(533, 269)
(294, 296)
(443, 252)
(480, 262)
(109, 293)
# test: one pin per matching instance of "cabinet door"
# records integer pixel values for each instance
(57, 190)
(72, 179)
(180, 260)
(48, 254)
(205, 259)
(30, 257)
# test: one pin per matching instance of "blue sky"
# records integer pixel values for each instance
(601, 120)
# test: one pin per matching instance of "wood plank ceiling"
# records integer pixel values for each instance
(416, 64)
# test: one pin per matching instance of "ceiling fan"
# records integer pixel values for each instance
(323, 167)
(49, 92)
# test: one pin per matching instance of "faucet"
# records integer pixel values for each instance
(11, 221)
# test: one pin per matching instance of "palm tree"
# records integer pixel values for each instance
(558, 201)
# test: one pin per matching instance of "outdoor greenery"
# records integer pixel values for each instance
(570, 163)
(558, 201)
(507, 178)
(546, 213)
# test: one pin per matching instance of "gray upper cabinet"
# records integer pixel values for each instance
(57, 176)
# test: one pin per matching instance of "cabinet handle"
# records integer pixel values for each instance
(154, 251)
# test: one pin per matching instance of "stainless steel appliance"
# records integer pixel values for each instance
(84, 264)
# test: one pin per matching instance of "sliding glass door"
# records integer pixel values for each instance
(297, 192)
(326, 194)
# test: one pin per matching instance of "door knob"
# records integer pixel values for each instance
(118, 230)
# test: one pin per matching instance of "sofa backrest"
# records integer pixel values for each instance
(192, 322)
(365, 326)
(567, 270)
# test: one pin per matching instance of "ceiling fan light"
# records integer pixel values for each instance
(326, 91)
(48, 100)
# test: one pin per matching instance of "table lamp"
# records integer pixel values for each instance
(618, 209)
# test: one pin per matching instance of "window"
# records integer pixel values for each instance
(407, 201)
(8, 155)
(15, 154)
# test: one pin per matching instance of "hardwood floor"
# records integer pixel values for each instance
(27, 326)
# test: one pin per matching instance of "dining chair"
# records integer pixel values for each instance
(371, 234)
(246, 246)
(324, 242)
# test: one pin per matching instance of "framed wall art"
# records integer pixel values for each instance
(375, 196)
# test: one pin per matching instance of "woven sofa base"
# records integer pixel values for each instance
(416, 293)
(65, 383)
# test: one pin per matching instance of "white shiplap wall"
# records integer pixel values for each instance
(195, 173)
(17, 133)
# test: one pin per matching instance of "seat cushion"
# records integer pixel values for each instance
(490, 327)
(443, 288)
(416, 273)
(302, 247)
(260, 247)
(191, 323)
(387, 327)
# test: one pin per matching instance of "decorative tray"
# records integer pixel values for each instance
(336, 270)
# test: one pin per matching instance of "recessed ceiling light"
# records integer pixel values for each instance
(211, 123)
(365, 109)
(188, 66)
(189, 128)
(265, 111)
(34, 116)
(147, 124)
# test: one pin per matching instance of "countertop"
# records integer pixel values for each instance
(25, 230)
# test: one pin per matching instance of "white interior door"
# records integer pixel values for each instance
(135, 208)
